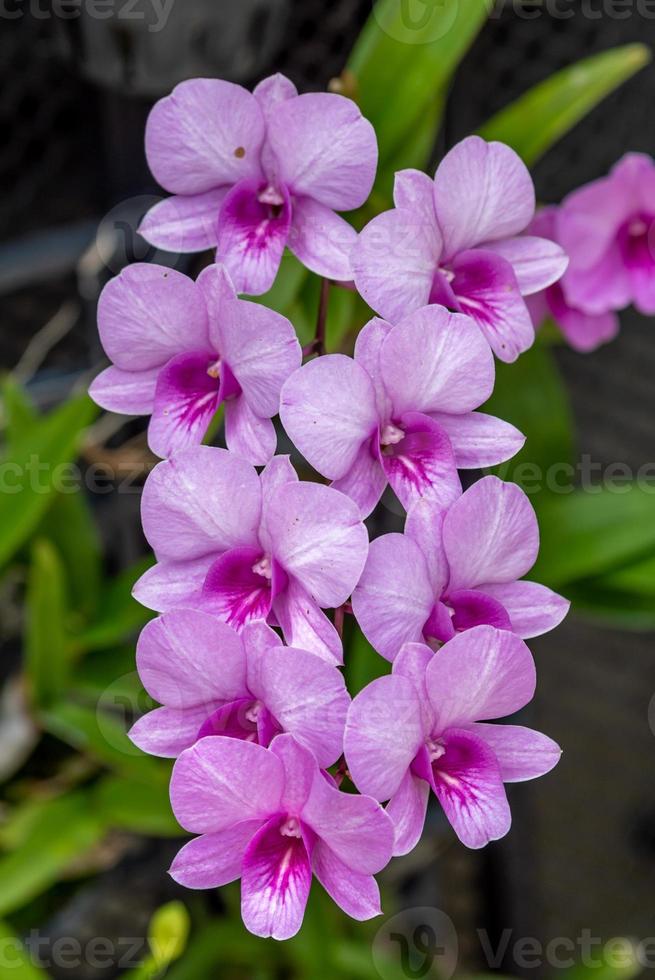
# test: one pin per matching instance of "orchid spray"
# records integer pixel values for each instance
(256, 568)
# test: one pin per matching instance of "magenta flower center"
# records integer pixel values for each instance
(636, 241)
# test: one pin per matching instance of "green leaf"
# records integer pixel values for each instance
(103, 737)
(20, 414)
(532, 396)
(414, 152)
(619, 959)
(598, 600)
(290, 279)
(404, 59)
(136, 806)
(47, 646)
(121, 615)
(33, 469)
(168, 933)
(66, 829)
(362, 663)
(69, 524)
(541, 116)
(586, 534)
(15, 960)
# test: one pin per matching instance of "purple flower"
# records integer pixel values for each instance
(608, 230)
(457, 241)
(247, 547)
(181, 348)
(401, 411)
(252, 173)
(272, 818)
(583, 331)
(454, 569)
(423, 727)
(214, 681)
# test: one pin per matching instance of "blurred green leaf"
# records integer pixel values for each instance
(65, 830)
(46, 643)
(104, 738)
(69, 524)
(597, 600)
(405, 57)
(29, 474)
(618, 960)
(532, 396)
(15, 961)
(19, 412)
(168, 933)
(549, 110)
(136, 806)
(586, 534)
(362, 663)
(414, 152)
(121, 615)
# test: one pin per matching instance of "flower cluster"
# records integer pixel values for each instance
(608, 231)
(256, 569)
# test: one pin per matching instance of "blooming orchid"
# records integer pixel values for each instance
(247, 547)
(401, 411)
(272, 818)
(454, 569)
(181, 348)
(252, 173)
(214, 681)
(583, 331)
(457, 241)
(608, 230)
(424, 727)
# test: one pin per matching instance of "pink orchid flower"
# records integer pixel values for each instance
(424, 727)
(583, 331)
(457, 241)
(181, 348)
(252, 173)
(608, 230)
(455, 569)
(214, 681)
(401, 411)
(272, 818)
(245, 546)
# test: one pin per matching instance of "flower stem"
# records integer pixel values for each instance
(317, 345)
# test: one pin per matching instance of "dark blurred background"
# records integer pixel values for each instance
(74, 95)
